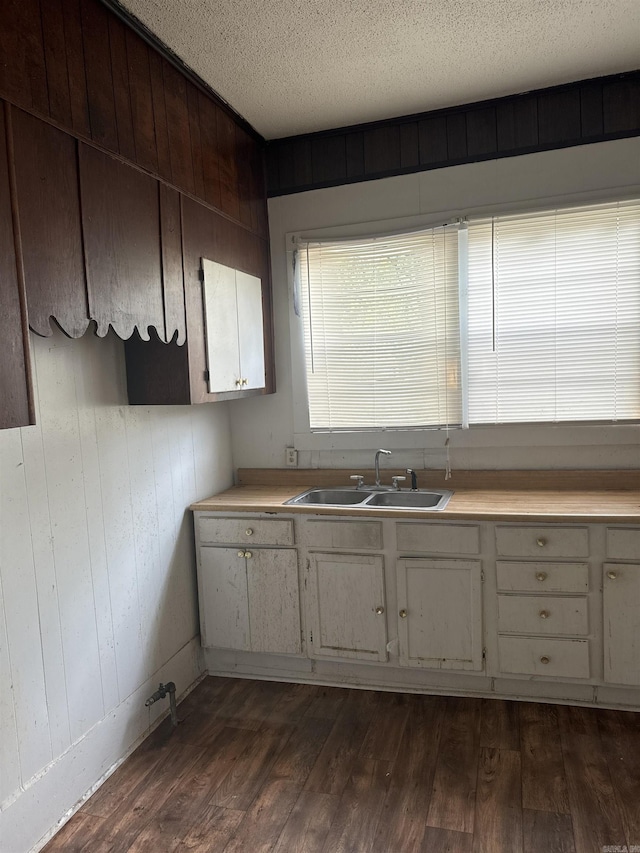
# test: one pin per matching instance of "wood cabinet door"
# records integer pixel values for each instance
(250, 330)
(621, 603)
(347, 606)
(274, 602)
(121, 229)
(440, 613)
(224, 601)
(16, 401)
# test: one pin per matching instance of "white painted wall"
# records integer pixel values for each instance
(263, 427)
(97, 575)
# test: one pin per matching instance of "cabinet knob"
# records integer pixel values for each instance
(540, 542)
(244, 381)
(544, 614)
(379, 610)
(403, 614)
(541, 576)
(240, 553)
(238, 382)
(612, 575)
(248, 555)
(544, 659)
(249, 531)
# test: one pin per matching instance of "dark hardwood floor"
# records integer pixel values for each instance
(259, 766)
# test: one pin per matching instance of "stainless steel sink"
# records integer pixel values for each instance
(331, 497)
(435, 499)
(411, 500)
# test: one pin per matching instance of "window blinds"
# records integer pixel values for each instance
(520, 318)
(381, 331)
(554, 315)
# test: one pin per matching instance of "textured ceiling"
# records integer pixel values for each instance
(295, 66)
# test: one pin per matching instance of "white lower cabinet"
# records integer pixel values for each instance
(621, 610)
(540, 612)
(347, 606)
(249, 599)
(440, 613)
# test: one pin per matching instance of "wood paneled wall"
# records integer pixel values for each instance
(585, 112)
(104, 137)
(77, 64)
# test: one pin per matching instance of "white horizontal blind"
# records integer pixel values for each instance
(381, 331)
(554, 315)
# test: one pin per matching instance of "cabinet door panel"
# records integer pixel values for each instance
(221, 314)
(345, 591)
(224, 606)
(274, 603)
(121, 227)
(51, 235)
(436, 538)
(16, 403)
(443, 623)
(621, 592)
(250, 329)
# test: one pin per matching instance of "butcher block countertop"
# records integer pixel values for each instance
(551, 496)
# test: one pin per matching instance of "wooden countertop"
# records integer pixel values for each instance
(491, 504)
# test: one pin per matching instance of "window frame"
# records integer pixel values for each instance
(512, 435)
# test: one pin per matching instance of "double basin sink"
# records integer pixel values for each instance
(434, 499)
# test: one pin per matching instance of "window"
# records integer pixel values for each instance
(509, 319)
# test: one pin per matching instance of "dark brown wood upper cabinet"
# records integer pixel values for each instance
(121, 226)
(16, 401)
(160, 373)
(46, 167)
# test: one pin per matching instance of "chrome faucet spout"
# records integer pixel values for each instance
(377, 464)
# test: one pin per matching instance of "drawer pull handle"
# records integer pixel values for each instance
(249, 531)
(612, 575)
(541, 576)
(240, 553)
(248, 555)
(541, 542)
(403, 614)
(379, 610)
(544, 659)
(544, 614)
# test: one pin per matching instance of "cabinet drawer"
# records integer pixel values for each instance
(257, 531)
(542, 614)
(623, 543)
(343, 534)
(438, 538)
(545, 657)
(542, 541)
(542, 577)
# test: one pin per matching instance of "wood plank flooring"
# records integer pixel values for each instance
(258, 766)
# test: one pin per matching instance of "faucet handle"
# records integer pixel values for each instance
(395, 481)
(359, 478)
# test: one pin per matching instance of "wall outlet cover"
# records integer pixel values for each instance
(291, 457)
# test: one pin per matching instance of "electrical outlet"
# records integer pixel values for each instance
(291, 457)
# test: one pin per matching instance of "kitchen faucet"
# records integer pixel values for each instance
(377, 465)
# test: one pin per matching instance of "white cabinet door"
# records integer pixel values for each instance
(347, 617)
(224, 600)
(621, 591)
(250, 330)
(249, 599)
(274, 604)
(440, 613)
(234, 328)
(221, 316)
